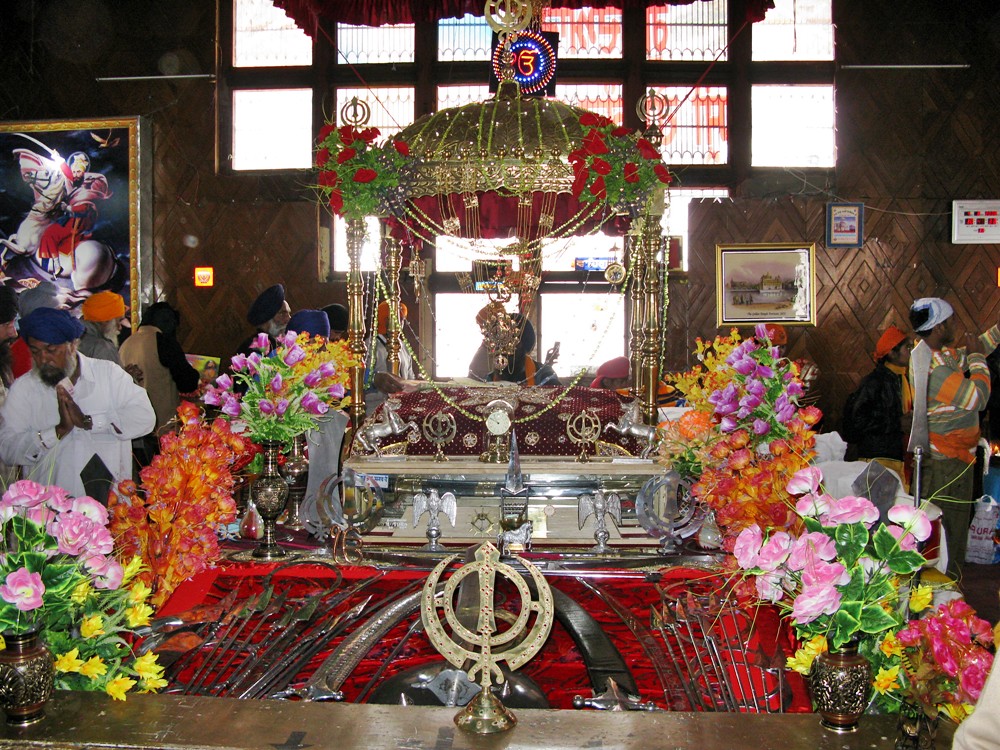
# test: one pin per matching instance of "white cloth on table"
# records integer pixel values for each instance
(324, 445)
(830, 446)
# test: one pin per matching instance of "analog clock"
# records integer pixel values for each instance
(499, 417)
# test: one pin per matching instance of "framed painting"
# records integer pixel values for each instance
(71, 210)
(845, 225)
(766, 283)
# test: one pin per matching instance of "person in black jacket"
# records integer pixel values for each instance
(877, 414)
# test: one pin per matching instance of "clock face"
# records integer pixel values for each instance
(499, 415)
(498, 422)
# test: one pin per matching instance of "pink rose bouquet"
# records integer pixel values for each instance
(840, 577)
(937, 663)
(58, 577)
(51, 544)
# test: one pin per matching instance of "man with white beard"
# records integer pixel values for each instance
(71, 419)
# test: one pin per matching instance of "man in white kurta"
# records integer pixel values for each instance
(69, 408)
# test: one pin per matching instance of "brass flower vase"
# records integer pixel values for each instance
(917, 730)
(27, 672)
(840, 683)
(296, 474)
(269, 493)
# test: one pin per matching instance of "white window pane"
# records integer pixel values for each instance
(391, 108)
(594, 33)
(793, 126)
(456, 333)
(369, 251)
(465, 38)
(698, 129)
(456, 254)
(590, 329)
(795, 30)
(697, 31)
(263, 36)
(562, 254)
(459, 96)
(260, 114)
(358, 45)
(604, 99)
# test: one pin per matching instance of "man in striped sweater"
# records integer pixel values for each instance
(958, 387)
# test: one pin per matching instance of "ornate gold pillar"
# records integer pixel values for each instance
(356, 322)
(649, 365)
(635, 264)
(393, 263)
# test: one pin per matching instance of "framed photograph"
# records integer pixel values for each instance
(845, 225)
(70, 209)
(766, 283)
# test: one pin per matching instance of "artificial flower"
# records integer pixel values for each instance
(117, 687)
(171, 524)
(615, 167)
(855, 594)
(358, 178)
(287, 392)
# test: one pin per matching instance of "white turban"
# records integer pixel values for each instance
(938, 311)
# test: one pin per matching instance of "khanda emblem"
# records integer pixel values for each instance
(525, 633)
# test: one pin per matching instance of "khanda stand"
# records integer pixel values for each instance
(496, 551)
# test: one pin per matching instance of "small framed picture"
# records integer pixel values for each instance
(845, 224)
(766, 283)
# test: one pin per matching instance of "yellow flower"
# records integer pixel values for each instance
(802, 660)
(957, 712)
(152, 684)
(921, 598)
(118, 687)
(138, 614)
(147, 667)
(134, 566)
(887, 679)
(3, 643)
(69, 662)
(94, 668)
(890, 646)
(139, 592)
(81, 592)
(92, 626)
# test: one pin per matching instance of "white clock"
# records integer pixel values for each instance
(499, 417)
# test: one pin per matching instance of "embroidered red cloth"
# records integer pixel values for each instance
(542, 429)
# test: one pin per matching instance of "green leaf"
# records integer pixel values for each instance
(875, 619)
(851, 539)
(905, 562)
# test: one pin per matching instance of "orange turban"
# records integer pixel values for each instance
(888, 341)
(103, 306)
(383, 316)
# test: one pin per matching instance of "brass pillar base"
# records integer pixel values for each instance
(485, 714)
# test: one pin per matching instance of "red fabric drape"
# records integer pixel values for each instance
(308, 13)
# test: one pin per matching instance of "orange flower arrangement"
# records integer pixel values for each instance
(187, 493)
(759, 436)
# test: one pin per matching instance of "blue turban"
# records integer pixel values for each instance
(51, 326)
(313, 322)
(267, 305)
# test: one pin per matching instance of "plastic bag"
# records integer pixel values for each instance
(980, 548)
